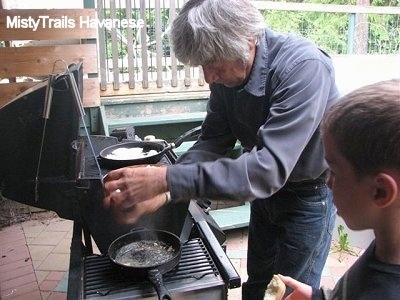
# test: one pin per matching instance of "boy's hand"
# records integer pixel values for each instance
(301, 291)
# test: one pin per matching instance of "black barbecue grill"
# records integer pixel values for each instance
(196, 275)
(47, 163)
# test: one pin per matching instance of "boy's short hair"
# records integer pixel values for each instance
(365, 125)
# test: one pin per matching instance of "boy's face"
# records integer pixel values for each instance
(353, 196)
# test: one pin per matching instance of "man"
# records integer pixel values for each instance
(270, 92)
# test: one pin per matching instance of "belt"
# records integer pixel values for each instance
(309, 182)
(305, 183)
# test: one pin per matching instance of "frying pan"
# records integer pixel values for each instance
(160, 148)
(150, 268)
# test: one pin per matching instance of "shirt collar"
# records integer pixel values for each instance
(258, 76)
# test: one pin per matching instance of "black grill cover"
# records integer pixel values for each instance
(69, 182)
(21, 130)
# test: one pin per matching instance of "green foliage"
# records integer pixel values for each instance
(330, 31)
(384, 34)
(343, 245)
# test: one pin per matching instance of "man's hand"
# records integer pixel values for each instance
(130, 215)
(134, 191)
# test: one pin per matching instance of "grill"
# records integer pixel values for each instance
(196, 274)
(48, 164)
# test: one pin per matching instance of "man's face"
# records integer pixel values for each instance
(228, 73)
(353, 196)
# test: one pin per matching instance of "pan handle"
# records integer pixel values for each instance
(134, 229)
(188, 134)
(155, 277)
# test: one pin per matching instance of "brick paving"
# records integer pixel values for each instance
(34, 260)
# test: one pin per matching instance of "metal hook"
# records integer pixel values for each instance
(48, 96)
(75, 93)
(55, 63)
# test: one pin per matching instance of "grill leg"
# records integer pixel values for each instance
(74, 285)
(88, 247)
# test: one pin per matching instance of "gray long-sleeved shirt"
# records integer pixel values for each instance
(275, 116)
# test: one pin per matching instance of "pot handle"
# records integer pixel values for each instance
(188, 134)
(155, 277)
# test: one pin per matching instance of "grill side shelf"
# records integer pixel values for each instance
(227, 270)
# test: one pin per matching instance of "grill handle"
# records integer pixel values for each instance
(227, 270)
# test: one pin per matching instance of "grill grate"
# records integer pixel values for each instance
(195, 269)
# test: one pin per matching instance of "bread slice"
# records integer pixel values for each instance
(275, 289)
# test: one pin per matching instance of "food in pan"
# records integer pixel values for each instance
(275, 289)
(144, 253)
(130, 153)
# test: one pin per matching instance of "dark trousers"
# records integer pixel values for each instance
(290, 234)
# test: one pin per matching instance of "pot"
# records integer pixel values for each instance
(150, 152)
(147, 254)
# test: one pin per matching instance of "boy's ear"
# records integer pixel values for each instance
(386, 190)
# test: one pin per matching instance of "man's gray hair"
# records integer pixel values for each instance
(210, 30)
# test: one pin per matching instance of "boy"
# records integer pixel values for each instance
(361, 136)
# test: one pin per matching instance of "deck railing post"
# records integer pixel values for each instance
(351, 32)
(148, 62)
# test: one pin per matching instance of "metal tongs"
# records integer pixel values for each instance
(81, 111)
(46, 114)
(76, 95)
(70, 79)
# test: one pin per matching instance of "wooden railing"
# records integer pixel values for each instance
(42, 50)
(132, 61)
(145, 67)
(139, 61)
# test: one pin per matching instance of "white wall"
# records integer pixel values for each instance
(354, 71)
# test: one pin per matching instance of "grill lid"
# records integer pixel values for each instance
(68, 180)
(22, 126)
